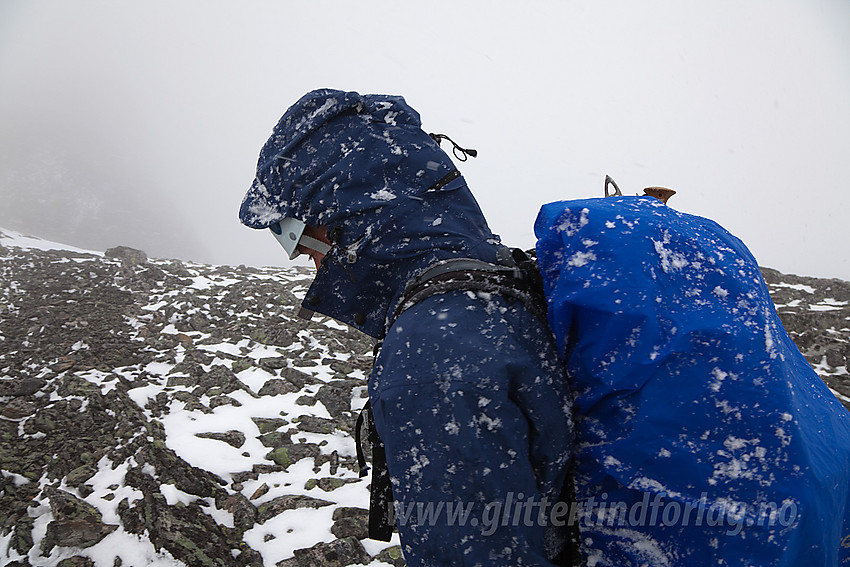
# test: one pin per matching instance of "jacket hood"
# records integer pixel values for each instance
(392, 200)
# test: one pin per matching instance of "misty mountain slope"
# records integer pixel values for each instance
(154, 412)
(816, 313)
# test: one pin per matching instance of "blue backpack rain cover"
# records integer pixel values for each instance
(704, 437)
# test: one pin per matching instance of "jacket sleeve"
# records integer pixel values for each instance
(472, 405)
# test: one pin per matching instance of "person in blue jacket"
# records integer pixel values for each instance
(467, 392)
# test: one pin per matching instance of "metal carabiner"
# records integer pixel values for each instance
(609, 181)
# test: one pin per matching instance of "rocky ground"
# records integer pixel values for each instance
(156, 412)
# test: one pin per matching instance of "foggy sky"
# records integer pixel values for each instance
(139, 123)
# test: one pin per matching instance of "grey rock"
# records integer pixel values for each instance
(80, 475)
(392, 555)
(350, 522)
(277, 387)
(17, 409)
(336, 397)
(127, 254)
(288, 502)
(297, 378)
(77, 523)
(271, 364)
(233, 438)
(276, 439)
(21, 386)
(337, 553)
(269, 424)
(245, 514)
(76, 561)
(316, 424)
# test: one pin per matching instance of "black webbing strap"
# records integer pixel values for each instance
(380, 490)
(361, 456)
(380, 493)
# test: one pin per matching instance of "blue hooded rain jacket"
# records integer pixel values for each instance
(467, 393)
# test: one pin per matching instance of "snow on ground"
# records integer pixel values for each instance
(277, 538)
(18, 240)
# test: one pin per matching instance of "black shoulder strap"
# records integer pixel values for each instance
(515, 276)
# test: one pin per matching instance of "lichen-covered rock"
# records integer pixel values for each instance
(315, 424)
(392, 555)
(76, 561)
(289, 502)
(186, 531)
(76, 523)
(337, 553)
(234, 438)
(336, 397)
(21, 386)
(350, 522)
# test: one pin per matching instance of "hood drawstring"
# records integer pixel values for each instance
(462, 154)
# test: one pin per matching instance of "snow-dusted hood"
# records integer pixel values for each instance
(392, 200)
